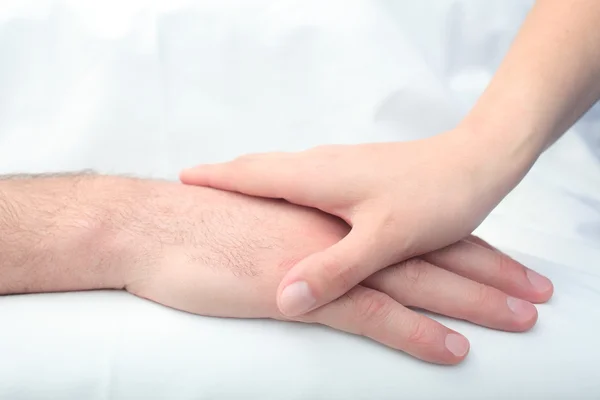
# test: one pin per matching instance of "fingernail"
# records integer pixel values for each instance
(539, 282)
(522, 308)
(457, 344)
(296, 299)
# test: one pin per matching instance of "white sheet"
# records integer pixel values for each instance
(85, 84)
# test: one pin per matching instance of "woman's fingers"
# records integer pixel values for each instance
(326, 275)
(493, 268)
(417, 283)
(367, 312)
(264, 175)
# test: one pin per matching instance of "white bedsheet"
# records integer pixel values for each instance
(88, 84)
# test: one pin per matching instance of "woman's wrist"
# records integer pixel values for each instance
(512, 132)
(500, 155)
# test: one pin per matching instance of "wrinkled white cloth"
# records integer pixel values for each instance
(152, 87)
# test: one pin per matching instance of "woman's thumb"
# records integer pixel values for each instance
(324, 276)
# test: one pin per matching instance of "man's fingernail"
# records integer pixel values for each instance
(457, 344)
(524, 309)
(539, 282)
(296, 299)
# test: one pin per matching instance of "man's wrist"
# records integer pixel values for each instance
(133, 217)
(68, 232)
(154, 224)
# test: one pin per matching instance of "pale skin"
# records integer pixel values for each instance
(407, 199)
(216, 253)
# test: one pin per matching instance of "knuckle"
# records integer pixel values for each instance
(508, 270)
(337, 273)
(414, 272)
(503, 265)
(482, 297)
(420, 333)
(373, 308)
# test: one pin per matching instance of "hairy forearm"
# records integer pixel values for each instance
(69, 232)
(549, 78)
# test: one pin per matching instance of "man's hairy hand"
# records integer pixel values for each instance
(223, 254)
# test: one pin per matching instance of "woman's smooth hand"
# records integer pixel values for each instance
(401, 200)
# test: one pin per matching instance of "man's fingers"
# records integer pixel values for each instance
(492, 268)
(326, 275)
(417, 283)
(264, 175)
(367, 312)
(480, 241)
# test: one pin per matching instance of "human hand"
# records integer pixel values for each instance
(401, 199)
(222, 254)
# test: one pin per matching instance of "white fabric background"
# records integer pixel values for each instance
(150, 87)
